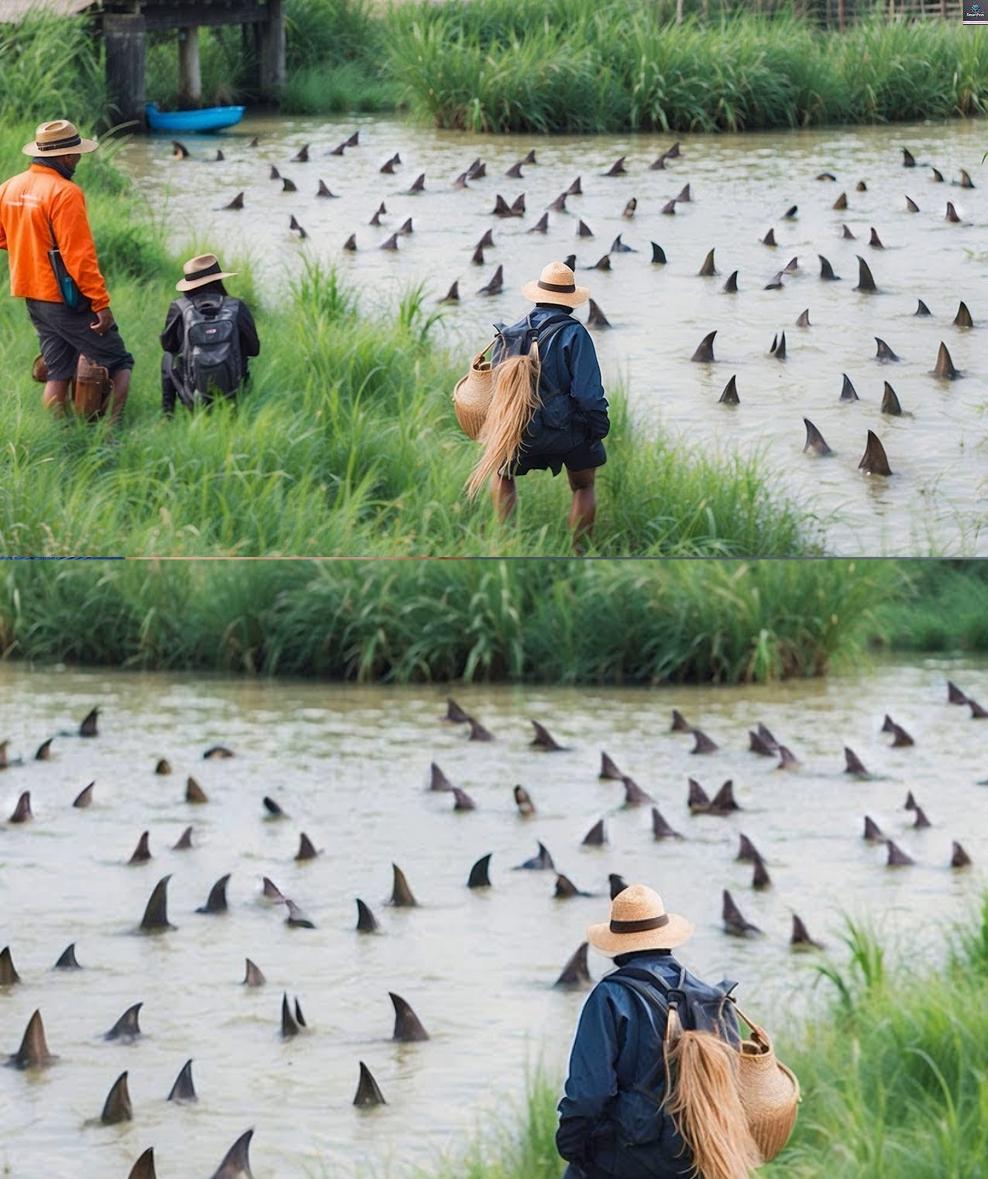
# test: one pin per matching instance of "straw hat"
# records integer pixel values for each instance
(58, 138)
(201, 270)
(639, 921)
(556, 284)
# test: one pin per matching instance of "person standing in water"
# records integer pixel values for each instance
(43, 212)
(548, 410)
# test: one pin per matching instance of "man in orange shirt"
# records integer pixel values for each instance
(42, 210)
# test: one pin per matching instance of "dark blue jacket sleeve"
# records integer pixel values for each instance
(586, 387)
(592, 1081)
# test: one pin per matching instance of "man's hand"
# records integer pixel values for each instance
(103, 322)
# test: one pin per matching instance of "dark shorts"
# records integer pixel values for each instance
(64, 333)
(581, 458)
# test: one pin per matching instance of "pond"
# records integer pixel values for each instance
(350, 767)
(741, 186)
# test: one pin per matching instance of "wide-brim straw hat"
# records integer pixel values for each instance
(201, 270)
(58, 138)
(556, 284)
(639, 921)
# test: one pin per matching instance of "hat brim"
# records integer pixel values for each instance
(536, 294)
(676, 931)
(185, 284)
(83, 148)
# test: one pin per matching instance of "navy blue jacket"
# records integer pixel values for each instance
(574, 408)
(605, 1124)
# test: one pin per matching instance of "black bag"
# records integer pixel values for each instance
(212, 362)
(638, 1113)
(551, 429)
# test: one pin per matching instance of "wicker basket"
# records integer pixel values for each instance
(473, 393)
(769, 1092)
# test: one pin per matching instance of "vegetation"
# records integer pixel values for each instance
(894, 1075)
(505, 65)
(573, 622)
(588, 66)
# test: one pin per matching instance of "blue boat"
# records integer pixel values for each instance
(210, 118)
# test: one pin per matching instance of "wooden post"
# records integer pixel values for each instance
(841, 14)
(273, 51)
(126, 59)
(189, 73)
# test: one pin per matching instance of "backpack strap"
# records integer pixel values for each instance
(657, 995)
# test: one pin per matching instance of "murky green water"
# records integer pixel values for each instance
(350, 767)
(741, 186)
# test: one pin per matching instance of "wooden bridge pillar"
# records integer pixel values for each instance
(272, 34)
(189, 72)
(126, 59)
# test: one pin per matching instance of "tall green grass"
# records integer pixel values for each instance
(946, 609)
(345, 443)
(613, 66)
(555, 622)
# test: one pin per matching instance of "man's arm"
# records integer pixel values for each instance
(171, 337)
(586, 386)
(250, 345)
(70, 223)
(592, 1080)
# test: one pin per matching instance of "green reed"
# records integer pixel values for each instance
(555, 622)
(616, 66)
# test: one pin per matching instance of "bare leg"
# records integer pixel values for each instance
(55, 396)
(584, 508)
(118, 398)
(504, 494)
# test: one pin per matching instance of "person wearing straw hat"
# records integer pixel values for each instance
(611, 1123)
(193, 322)
(44, 227)
(566, 424)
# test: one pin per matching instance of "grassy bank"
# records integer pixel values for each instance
(894, 1075)
(587, 66)
(509, 65)
(557, 622)
(345, 444)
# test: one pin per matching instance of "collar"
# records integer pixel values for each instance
(55, 165)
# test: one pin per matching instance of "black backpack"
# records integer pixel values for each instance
(639, 1114)
(211, 359)
(517, 339)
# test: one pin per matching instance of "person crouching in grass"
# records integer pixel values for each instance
(207, 338)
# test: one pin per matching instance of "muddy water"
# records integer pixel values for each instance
(350, 766)
(741, 187)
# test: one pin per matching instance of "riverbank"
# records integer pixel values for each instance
(345, 443)
(514, 65)
(892, 1073)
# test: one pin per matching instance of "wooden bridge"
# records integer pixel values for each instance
(125, 24)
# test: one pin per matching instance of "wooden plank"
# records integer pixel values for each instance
(176, 16)
(14, 11)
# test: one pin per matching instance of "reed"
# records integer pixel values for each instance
(945, 610)
(555, 622)
(617, 66)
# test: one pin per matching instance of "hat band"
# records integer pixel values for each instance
(639, 926)
(57, 144)
(195, 275)
(566, 288)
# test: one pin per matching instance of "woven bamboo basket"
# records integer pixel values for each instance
(472, 395)
(769, 1092)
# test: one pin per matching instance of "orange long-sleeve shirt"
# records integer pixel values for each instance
(32, 205)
